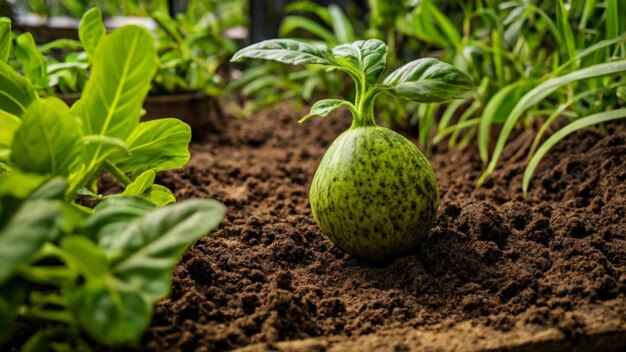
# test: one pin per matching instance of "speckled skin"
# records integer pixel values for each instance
(374, 193)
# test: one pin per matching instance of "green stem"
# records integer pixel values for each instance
(61, 316)
(117, 173)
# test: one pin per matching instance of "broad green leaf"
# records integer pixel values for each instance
(85, 257)
(6, 38)
(46, 141)
(9, 124)
(123, 66)
(155, 145)
(428, 81)
(341, 24)
(324, 107)
(16, 92)
(32, 61)
(150, 247)
(366, 56)
(539, 93)
(91, 31)
(24, 233)
(141, 184)
(564, 132)
(112, 216)
(19, 185)
(287, 51)
(110, 315)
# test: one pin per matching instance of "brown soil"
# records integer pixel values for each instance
(496, 271)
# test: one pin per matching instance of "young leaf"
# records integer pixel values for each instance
(91, 30)
(24, 233)
(6, 37)
(564, 132)
(159, 195)
(16, 92)
(155, 145)
(46, 141)
(123, 66)
(32, 60)
(324, 107)
(367, 56)
(150, 246)
(428, 81)
(141, 184)
(287, 51)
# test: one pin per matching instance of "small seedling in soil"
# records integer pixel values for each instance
(374, 193)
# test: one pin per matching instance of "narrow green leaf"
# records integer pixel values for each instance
(292, 24)
(32, 61)
(564, 132)
(287, 51)
(123, 66)
(498, 110)
(105, 141)
(367, 56)
(539, 93)
(6, 39)
(324, 107)
(344, 31)
(91, 31)
(563, 23)
(16, 92)
(310, 7)
(24, 233)
(612, 18)
(428, 81)
(150, 247)
(155, 145)
(46, 141)
(60, 44)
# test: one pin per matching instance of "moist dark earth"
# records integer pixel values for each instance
(494, 268)
(492, 258)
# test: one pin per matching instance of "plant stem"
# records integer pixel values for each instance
(117, 173)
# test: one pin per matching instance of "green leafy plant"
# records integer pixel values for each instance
(372, 182)
(102, 269)
(192, 49)
(90, 274)
(101, 131)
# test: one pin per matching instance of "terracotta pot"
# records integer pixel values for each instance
(194, 108)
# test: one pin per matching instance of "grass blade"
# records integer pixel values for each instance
(539, 93)
(564, 132)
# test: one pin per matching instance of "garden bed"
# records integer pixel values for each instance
(496, 271)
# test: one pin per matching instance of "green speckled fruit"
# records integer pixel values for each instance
(374, 193)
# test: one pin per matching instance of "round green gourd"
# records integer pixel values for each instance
(374, 193)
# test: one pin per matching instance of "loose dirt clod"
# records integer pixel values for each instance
(492, 261)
